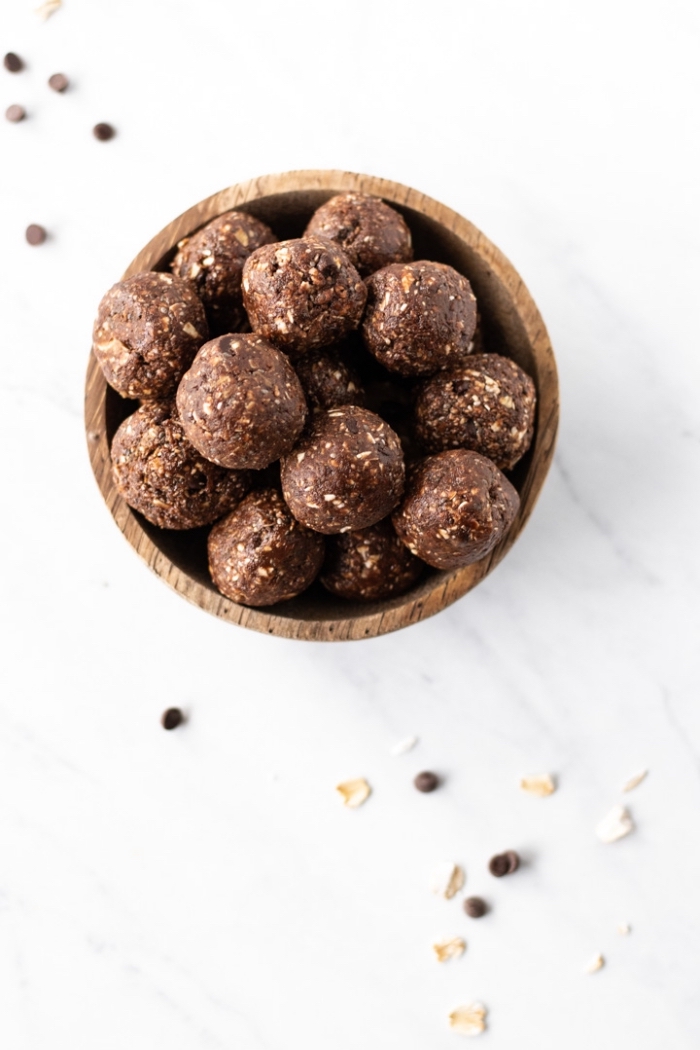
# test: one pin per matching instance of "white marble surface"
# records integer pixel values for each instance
(205, 888)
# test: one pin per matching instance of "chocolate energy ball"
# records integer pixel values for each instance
(371, 234)
(161, 475)
(147, 331)
(259, 555)
(457, 507)
(212, 260)
(302, 294)
(420, 317)
(346, 473)
(486, 404)
(369, 564)
(241, 403)
(327, 380)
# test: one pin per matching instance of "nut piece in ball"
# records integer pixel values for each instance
(259, 554)
(457, 507)
(241, 403)
(486, 404)
(369, 564)
(212, 260)
(147, 331)
(328, 380)
(371, 233)
(161, 475)
(347, 472)
(302, 294)
(420, 317)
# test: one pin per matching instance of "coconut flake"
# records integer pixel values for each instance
(540, 785)
(354, 792)
(615, 825)
(595, 964)
(400, 748)
(635, 781)
(468, 1020)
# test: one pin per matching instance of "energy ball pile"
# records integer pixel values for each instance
(326, 404)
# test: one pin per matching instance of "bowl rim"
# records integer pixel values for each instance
(439, 590)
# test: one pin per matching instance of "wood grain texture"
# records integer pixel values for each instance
(511, 319)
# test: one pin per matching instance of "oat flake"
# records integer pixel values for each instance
(48, 8)
(596, 963)
(448, 880)
(540, 785)
(354, 792)
(449, 949)
(468, 1020)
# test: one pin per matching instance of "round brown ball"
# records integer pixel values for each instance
(161, 475)
(147, 331)
(458, 505)
(420, 317)
(369, 564)
(370, 232)
(212, 260)
(328, 380)
(347, 472)
(302, 294)
(486, 404)
(259, 554)
(241, 403)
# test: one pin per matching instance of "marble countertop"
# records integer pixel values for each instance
(205, 888)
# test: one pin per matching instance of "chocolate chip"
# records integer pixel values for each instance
(504, 863)
(513, 860)
(35, 234)
(475, 907)
(103, 132)
(172, 718)
(15, 113)
(427, 782)
(12, 62)
(58, 82)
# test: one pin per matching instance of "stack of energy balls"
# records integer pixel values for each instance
(324, 403)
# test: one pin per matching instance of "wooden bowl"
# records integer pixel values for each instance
(511, 322)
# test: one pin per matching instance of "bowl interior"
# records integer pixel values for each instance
(183, 557)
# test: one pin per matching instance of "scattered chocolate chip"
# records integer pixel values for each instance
(504, 863)
(103, 132)
(513, 860)
(426, 781)
(35, 234)
(172, 718)
(499, 865)
(59, 82)
(15, 113)
(475, 907)
(12, 62)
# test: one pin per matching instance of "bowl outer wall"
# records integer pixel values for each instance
(505, 303)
